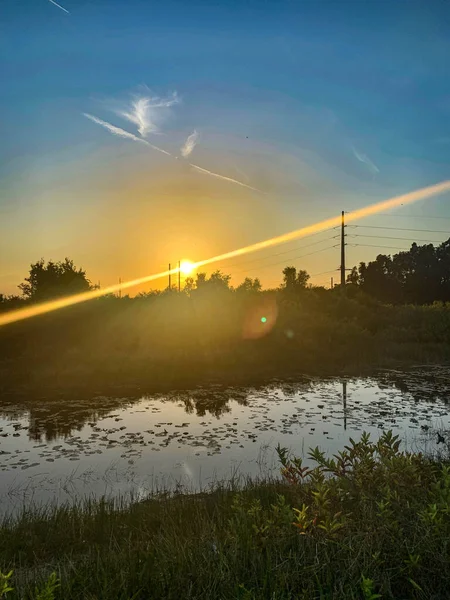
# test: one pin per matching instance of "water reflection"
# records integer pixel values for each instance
(194, 437)
(344, 402)
(430, 383)
(50, 420)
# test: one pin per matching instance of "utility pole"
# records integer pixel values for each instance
(332, 283)
(342, 251)
(179, 276)
(120, 289)
(170, 281)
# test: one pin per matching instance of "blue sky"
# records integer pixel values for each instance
(324, 105)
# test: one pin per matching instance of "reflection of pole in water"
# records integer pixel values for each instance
(344, 401)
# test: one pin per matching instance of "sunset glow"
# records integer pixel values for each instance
(186, 267)
(395, 202)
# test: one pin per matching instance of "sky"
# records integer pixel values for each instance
(112, 111)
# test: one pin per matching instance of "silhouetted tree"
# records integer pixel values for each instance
(52, 280)
(249, 285)
(353, 276)
(189, 285)
(219, 280)
(200, 280)
(420, 275)
(293, 280)
(289, 277)
(302, 278)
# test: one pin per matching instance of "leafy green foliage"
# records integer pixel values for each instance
(49, 589)
(5, 586)
(370, 522)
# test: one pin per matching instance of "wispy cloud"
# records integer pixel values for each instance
(147, 112)
(202, 170)
(366, 160)
(188, 147)
(125, 134)
(59, 6)
(189, 144)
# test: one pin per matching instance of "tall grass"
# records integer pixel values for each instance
(371, 522)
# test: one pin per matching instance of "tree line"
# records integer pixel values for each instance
(420, 275)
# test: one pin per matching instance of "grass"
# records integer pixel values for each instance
(372, 522)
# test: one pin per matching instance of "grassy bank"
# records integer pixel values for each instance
(177, 341)
(371, 523)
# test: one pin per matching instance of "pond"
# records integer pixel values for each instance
(61, 450)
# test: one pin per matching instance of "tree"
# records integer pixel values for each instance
(219, 280)
(200, 280)
(289, 277)
(302, 278)
(189, 285)
(294, 280)
(249, 285)
(420, 275)
(53, 280)
(216, 281)
(353, 276)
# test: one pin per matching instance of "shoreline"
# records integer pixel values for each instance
(93, 384)
(330, 531)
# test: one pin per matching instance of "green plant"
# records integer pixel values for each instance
(48, 591)
(5, 585)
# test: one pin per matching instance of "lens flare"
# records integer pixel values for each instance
(373, 209)
(361, 213)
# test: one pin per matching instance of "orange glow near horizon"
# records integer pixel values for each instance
(373, 209)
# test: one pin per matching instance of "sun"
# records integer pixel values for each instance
(186, 267)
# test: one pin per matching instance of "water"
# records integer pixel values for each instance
(61, 450)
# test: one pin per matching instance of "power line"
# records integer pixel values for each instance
(411, 216)
(402, 229)
(375, 246)
(324, 273)
(388, 237)
(280, 253)
(291, 258)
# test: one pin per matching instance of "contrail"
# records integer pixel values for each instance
(201, 170)
(189, 144)
(122, 133)
(126, 134)
(373, 209)
(59, 6)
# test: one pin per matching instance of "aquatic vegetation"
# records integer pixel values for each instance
(56, 450)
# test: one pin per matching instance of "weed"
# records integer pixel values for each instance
(370, 522)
